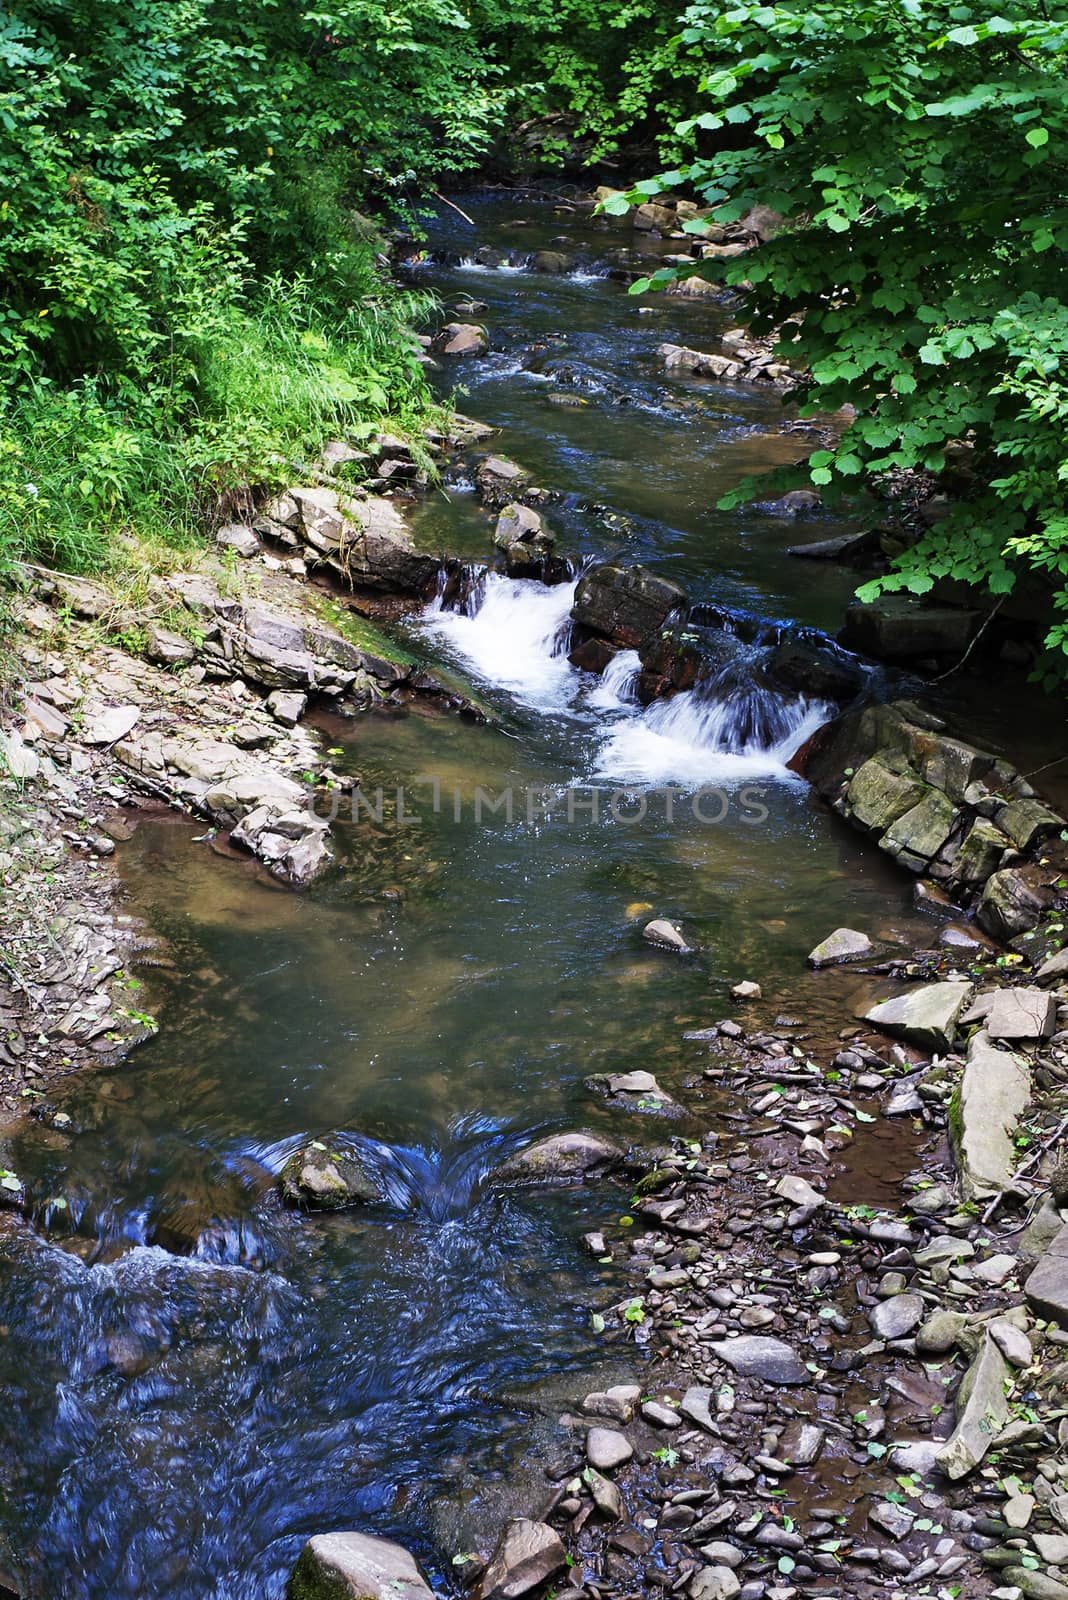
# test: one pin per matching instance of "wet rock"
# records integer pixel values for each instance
(844, 944)
(632, 1090)
(814, 667)
(607, 1449)
(561, 1158)
(461, 339)
(606, 1496)
(982, 1409)
(756, 1356)
(1047, 1286)
(499, 480)
(745, 990)
(1021, 1014)
(696, 1404)
(527, 1555)
(325, 1176)
(554, 262)
(1035, 1585)
(926, 1016)
(677, 358)
(519, 524)
(354, 1566)
(995, 1091)
(625, 604)
(897, 1317)
(899, 628)
(665, 936)
(801, 1443)
(618, 1402)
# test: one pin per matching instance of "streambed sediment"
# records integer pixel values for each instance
(205, 1377)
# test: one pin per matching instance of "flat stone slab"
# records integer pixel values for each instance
(527, 1554)
(1047, 1286)
(844, 944)
(755, 1356)
(1053, 968)
(926, 1016)
(1021, 1014)
(982, 1412)
(995, 1091)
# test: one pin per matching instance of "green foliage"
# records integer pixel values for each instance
(919, 154)
(189, 298)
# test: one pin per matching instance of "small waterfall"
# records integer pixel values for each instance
(618, 685)
(515, 639)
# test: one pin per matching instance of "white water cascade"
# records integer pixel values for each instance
(729, 729)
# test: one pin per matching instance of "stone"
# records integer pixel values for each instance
(606, 1496)
(43, 721)
(618, 1402)
(1021, 1014)
(1054, 968)
(898, 628)
(287, 708)
(606, 1448)
(650, 215)
(561, 1158)
(844, 944)
(1036, 1585)
(799, 1192)
(16, 757)
(714, 1583)
(660, 1416)
(528, 1554)
(519, 524)
(324, 1175)
(625, 604)
(166, 648)
(239, 538)
(917, 837)
(1013, 902)
(756, 1356)
(553, 262)
(940, 1332)
(882, 789)
(893, 1519)
(109, 725)
(665, 936)
(355, 1566)
(995, 1270)
(897, 1317)
(1047, 1285)
(499, 480)
(800, 1443)
(696, 1404)
(1028, 822)
(746, 990)
(1052, 1547)
(982, 1409)
(944, 1247)
(925, 1016)
(461, 339)
(994, 1093)
(677, 358)
(813, 667)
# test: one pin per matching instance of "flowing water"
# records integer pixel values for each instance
(197, 1379)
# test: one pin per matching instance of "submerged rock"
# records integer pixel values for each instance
(527, 1554)
(325, 1177)
(355, 1566)
(561, 1158)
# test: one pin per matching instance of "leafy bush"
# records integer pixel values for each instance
(918, 153)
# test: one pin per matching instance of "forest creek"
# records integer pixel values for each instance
(501, 1171)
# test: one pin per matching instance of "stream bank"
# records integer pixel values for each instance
(457, 989)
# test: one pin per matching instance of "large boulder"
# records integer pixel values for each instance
(561, 1158)
(995, 1091)
(625, 604)
(326, 1175)
(354, 1566)
(1014, 901)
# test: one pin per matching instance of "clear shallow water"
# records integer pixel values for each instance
(198, 1379)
